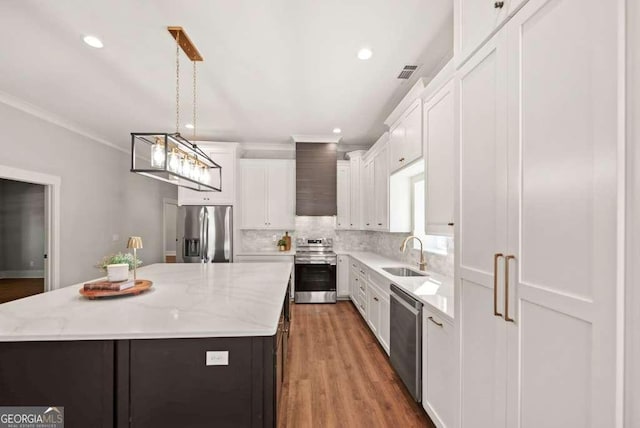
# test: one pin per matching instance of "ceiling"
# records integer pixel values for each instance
(271, 69)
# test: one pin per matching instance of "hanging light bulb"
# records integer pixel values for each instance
(204, 174)
(195, 171)
(157, 154)
(174, 161)
(186, 167)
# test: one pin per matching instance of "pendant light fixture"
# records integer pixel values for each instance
(173, 158)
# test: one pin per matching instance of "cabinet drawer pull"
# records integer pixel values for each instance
(379, 224)
(356, 279)
(401, 159)
(375, 298)
(498, 4)
(439, 324)
(450, 224)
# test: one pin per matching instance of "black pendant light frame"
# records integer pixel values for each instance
(148, 139)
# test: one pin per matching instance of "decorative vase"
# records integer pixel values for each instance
(117, 272)
(283, 248)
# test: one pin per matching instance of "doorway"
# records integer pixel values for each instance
(22, 239)
(29, 231)
(170, 222)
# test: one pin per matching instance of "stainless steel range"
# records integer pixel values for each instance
(315, 271)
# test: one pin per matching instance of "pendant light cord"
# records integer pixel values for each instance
(194, 100)
(178, 83)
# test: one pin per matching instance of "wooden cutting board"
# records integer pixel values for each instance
(141, 286)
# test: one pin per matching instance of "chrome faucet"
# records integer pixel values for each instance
(403, 247)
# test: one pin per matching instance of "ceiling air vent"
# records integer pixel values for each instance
(407, 71)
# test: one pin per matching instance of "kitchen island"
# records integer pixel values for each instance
(206, 346)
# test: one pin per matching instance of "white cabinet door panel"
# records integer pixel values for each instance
(563, 185)
(253, 196)
(281, 201)
(439, 152)
(343, 196)
(483, 233)
(413, 133)
(438, 370)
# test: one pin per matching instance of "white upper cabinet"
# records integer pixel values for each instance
(381, 189)
(356, 190)
(475, 20)
(343, 220)
(439, 157)
(267, 194)
(368, 194)
(224, 154)
(405, 137)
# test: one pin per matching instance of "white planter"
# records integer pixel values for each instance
(118, 272)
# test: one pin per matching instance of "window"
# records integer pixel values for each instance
(432, 243)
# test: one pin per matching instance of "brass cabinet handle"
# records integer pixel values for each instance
(439, 324)
(496, 256)
(506, 288)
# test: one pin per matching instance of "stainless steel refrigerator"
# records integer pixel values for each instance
(205, 234)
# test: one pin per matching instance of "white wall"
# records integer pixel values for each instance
(171, 223)
(100, 198)
(632, 289)
(22, 233)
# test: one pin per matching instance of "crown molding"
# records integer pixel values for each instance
(316, 138)
(54, 119)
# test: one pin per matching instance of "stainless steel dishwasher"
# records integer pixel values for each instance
(406, 340)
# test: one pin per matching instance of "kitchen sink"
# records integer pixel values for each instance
(400, 271)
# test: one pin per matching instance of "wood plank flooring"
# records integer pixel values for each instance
(339, 376)
(12, 289)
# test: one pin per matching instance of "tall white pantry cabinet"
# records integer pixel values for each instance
(540, 191)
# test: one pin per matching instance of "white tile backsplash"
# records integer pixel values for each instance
(386, 244)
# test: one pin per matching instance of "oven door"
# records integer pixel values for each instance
(315, 283)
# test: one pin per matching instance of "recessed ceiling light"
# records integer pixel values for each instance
(365, 53)
(189, 126)
(337, 130)
(93, 41)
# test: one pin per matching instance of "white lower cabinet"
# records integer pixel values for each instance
(438, 369)
(367, 294)
(343, 276)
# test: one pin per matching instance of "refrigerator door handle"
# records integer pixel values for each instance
(202, 237)
(227, 235)
(205, 254)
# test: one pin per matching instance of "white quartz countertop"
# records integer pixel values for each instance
(434, 290)
(186, 300)
(268, 252)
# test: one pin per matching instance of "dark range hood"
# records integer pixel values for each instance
(316, 174)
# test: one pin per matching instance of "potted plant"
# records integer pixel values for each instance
(282, 244)
(118, 266)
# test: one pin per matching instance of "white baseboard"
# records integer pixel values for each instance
(21, 274)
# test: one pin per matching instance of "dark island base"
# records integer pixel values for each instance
(147, 383)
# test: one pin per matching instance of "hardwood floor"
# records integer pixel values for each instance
(339, 376)
(12, 289)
